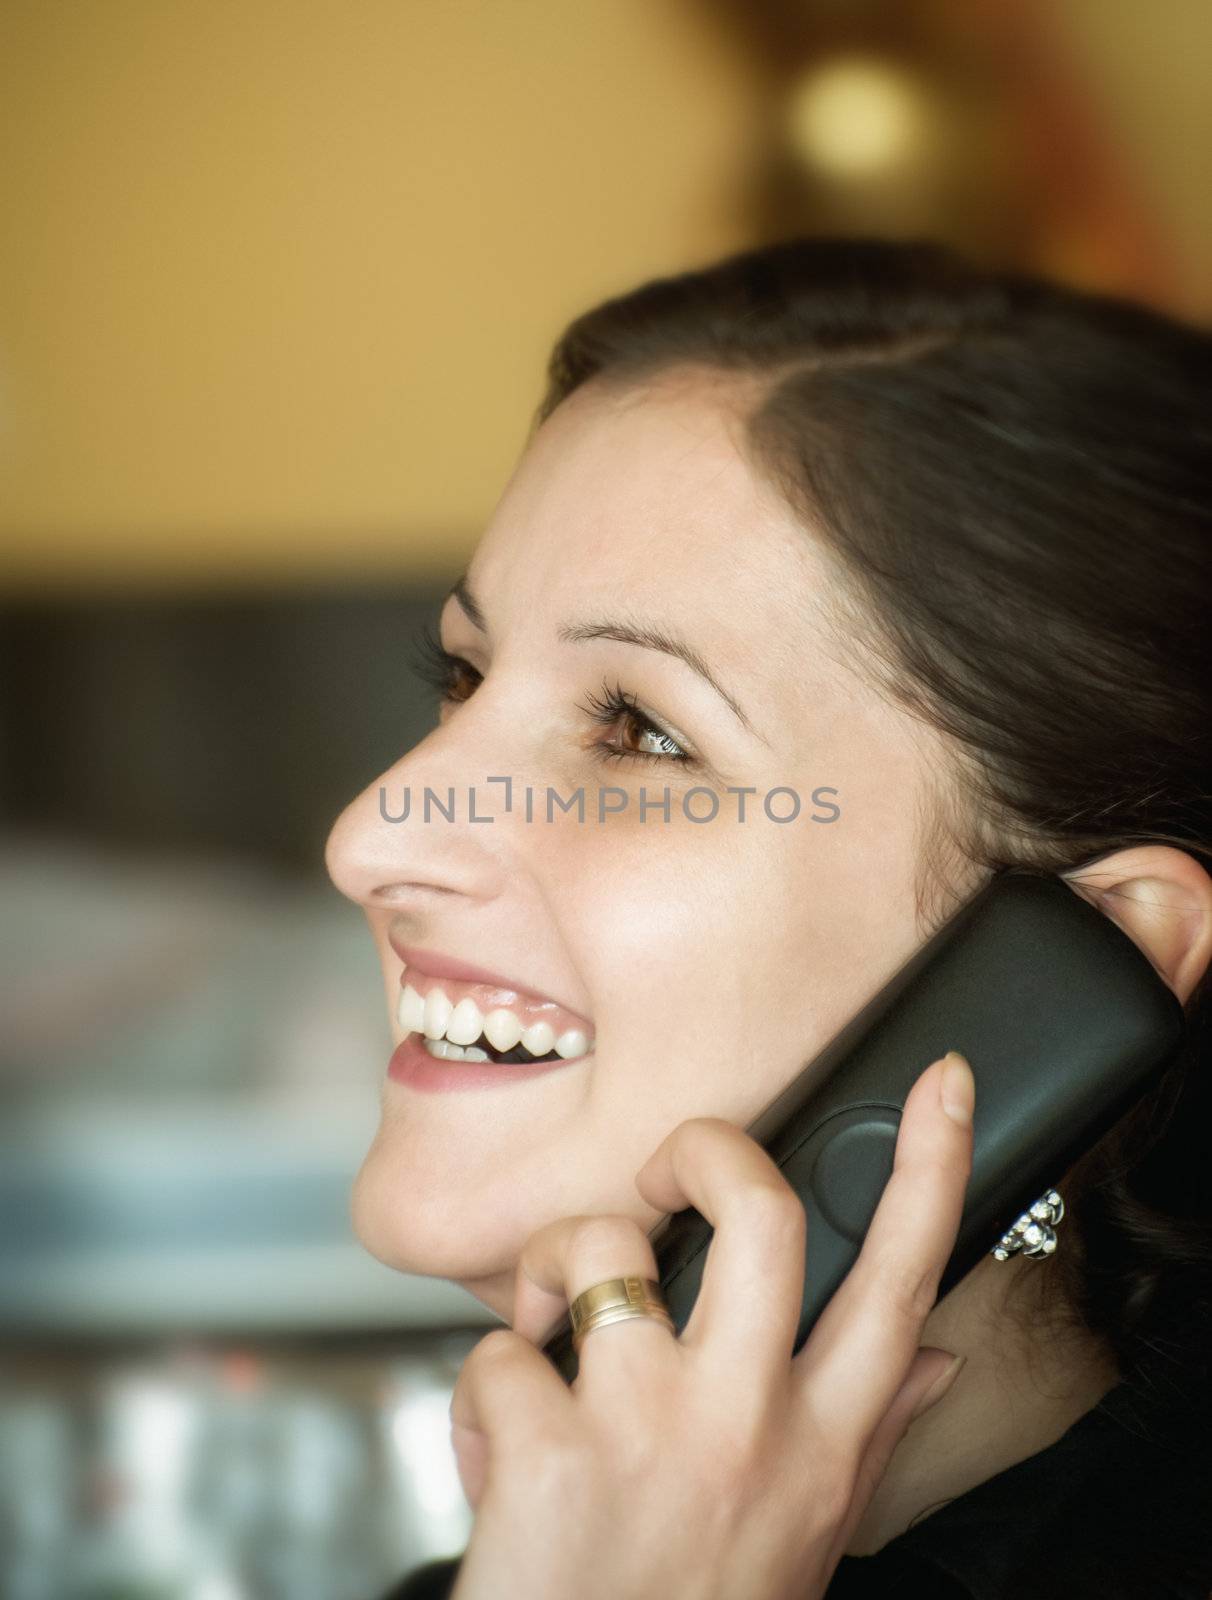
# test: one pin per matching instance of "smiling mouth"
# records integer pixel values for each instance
(459, 1021)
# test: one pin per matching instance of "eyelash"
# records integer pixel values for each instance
(440, 668)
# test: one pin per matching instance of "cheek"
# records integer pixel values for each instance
(721, 957)
(684, 932)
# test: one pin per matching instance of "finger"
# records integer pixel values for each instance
(931, 1376)
(507, 1397)
(568, 1256)
(471, 1460)
(861, 1349)
(747, 1312)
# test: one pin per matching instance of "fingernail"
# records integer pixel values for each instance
(958, 1088)
(939, 1387)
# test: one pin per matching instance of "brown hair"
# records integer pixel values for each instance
(1015, 476)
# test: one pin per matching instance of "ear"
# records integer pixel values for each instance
(1162, 899)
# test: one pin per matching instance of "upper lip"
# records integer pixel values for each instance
(437, 965)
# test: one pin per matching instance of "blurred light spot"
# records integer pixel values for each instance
(217, 1586)
(420, 1430)
(858, 117)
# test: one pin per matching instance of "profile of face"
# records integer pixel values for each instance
(704, 960)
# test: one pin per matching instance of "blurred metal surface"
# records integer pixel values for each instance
(228, 1471)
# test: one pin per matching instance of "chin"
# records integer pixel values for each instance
(407, 1222)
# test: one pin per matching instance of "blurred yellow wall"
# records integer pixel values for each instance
(277, 279)
(1147, 70)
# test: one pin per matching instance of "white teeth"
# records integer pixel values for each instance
(538, 1038)
(443, 1050)
(451, 1031)
(570, 1044)
(502, 1028)
(437, 1013)
(411, 1010)
(465, 1024)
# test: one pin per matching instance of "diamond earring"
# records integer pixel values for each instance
(1033, 1234)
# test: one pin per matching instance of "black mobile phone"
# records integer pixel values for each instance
(1065, 1024)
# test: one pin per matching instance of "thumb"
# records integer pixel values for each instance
(470, 1448)
(930, 1377)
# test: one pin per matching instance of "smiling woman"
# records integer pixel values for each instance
(835, 513)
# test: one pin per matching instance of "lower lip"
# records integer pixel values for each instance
(412, 1064)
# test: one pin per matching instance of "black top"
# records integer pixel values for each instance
(1119, 1508)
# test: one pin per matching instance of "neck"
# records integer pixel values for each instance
(1025, 1382)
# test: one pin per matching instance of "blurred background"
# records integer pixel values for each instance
(278, 279)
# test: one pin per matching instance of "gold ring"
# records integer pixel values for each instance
(615, 1300)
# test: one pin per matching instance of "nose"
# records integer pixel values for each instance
(424, 855)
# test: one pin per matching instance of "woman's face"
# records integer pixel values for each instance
(708, 960)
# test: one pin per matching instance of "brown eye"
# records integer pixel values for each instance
(453, 678)
(614, 706)
(462, 681)
(632, 725)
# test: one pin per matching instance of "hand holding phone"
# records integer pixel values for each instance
(713, 1463)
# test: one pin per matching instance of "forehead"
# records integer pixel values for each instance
(643, 503)
(644, 498)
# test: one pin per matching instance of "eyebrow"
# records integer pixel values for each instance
(625, 632)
